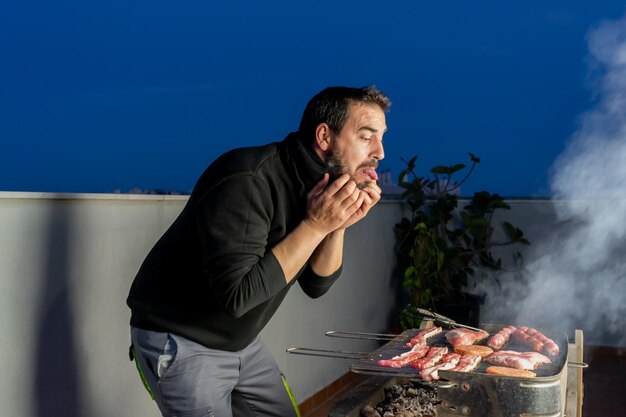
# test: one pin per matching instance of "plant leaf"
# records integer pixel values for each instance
(474, 158)
(447, 170)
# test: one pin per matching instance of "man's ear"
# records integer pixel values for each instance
(323, 137)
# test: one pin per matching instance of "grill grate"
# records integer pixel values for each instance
(369, 363)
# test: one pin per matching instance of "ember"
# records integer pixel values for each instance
(413, 398)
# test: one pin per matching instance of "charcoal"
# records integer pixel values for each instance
(369, 411)
(411, 399)
(394, 390)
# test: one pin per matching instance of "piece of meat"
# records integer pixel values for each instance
(423, 335)
(474, 350)
(548, 345)
(536, 358)
(530, 331)
(506, 371)
(465, 336)
(432, 357)
(522, 335)
(404, 359)
(448, 361)
(536, 340)
(499, 339)
(467, 363)
(517, 360)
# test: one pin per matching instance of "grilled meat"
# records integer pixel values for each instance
(432, 357)
(536, 340)
(448, 361)
(422, 336)
(474, 350)
(499, 339)
(505, 371)
(467, 363)
(517, 360)
(404, 359)
(465, 336)
(521, 335)
(549, 346)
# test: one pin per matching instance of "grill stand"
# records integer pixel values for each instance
(574, 396)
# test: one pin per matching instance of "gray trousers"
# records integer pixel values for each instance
(190, 380)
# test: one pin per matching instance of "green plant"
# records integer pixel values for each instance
(440, 245)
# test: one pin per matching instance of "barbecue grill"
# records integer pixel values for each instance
(475, 393)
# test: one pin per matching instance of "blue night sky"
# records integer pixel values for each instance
(114, 95)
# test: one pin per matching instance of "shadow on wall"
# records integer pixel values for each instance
(56, 376)
(402, 297)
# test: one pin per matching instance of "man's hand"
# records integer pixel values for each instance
(371, 195)
(329, 207)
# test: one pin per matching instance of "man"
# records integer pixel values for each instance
(258, 220)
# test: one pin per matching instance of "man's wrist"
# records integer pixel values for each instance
(314, 230)
(336, 234)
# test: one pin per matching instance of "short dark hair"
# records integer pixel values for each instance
(331, 106)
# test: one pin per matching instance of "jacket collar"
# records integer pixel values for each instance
(308, 166)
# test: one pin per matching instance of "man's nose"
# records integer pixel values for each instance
(378, 152)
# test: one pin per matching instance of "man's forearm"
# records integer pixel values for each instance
(296, 248)
(328, 255)
(303, 244)
(319, 236)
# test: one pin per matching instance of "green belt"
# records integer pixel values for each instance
(291, 397)
(131, 355)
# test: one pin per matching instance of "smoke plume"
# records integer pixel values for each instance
(577, 279)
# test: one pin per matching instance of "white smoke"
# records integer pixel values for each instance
(578, 280)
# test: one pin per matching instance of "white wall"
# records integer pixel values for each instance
(65, 267)
(66, 264)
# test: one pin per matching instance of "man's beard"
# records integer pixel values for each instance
(336, 168)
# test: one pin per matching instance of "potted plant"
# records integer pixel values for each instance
(441, 245)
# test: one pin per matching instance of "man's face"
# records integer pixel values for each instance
(358, 147)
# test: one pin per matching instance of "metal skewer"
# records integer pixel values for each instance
(361, 335)
(329, 353)
(427, 314)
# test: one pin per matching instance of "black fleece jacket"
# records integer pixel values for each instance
(212, 276)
